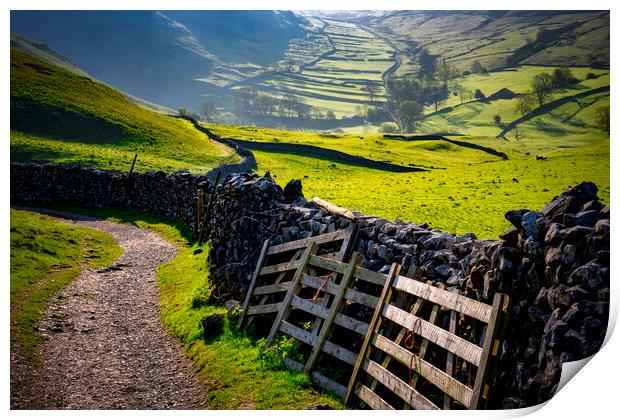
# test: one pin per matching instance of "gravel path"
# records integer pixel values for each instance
(106, 347)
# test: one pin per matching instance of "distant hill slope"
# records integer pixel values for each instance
(45, 53)
(160, 55)
(501, 38)
(62, 116)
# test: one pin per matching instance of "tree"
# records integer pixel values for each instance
(563, 77)
(478, 94)
(517, 133)
(288, 103)
(525, 104)
(497, 119)
(264, 105)
(330, 115)
(476, 67)
(445, 72)
(427, 65)
(542, 85)
(463, 93)
(302, 109)
(183, 112)
(372, 91)
(209, 111)
(603, 117)
(407, 113)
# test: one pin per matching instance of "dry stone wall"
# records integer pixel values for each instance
(171, 196)
(554, 263)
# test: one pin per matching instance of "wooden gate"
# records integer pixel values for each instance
(407, 378)
(386, 341)
(277, 264)
(340, 309)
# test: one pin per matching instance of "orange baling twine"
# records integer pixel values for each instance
(316, 295)
(411, 345)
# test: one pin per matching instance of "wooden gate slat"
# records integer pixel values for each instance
(449, 300)
(284, 309)
(500, 304)
(375, 325)
(451, 342)
(398, 386)
(440, 379)
(447, 401)
(263, 309)
(248, 295)
(336, 304)
(322, 380)
(373, 400)
(327, 264)
(302, 243)
(272, 288)
(277, 268)
(307, 337)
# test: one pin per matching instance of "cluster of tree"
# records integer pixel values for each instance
(184, 112)
(476, 68)
(543, 85)
(408, 97)
(249, 101)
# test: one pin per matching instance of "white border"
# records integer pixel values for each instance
(593, 394)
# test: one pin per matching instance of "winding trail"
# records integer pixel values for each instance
(106, 347)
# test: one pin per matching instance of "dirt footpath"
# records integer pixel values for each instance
(106, 347)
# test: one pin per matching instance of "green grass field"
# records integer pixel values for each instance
(373, 146)
(469, 189)
(60, 116)
(45, 256)
(567, 123)
(460, 199)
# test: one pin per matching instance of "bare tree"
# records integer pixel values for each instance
(476, 67)
(542, 85)
(372, 91)
(525, 104)
(518, 134)
(407, 113)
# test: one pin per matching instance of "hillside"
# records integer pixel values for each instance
(499, 39)
(160, 56)
(61, 116)
(45, 53)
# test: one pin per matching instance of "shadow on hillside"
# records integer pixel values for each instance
(31, 117)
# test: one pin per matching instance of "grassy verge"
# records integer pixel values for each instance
(45, 256)
(236, 368)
